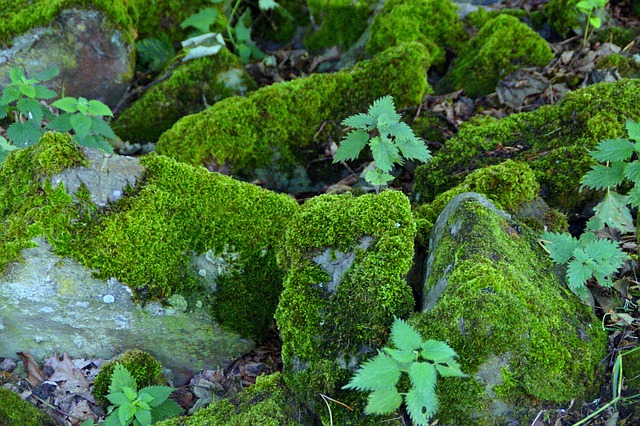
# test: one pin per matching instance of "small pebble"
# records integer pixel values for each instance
(108, 298)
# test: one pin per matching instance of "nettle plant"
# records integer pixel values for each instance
(24, 100)
(204, 42)
(391, 141)
(421, 360)
(589, 256)
(593, 11)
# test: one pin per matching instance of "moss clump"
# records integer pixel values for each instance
(329, 320)
(508, 185)
(143, 367)
(433, 23)
(29, 204)
(337, 22)
(191, 87)
(627, 67)
(503, 45)
(478, 18)
(16, 412)
(19, 16)
(266, 403)
(563, 16)
(553, 140)
(148, 238)
(502, 306)
(276, 124)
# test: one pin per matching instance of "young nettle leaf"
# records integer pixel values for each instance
(30, 108)
(383, 401)
(351, 146)
(603, 177)
(612, 212)
(385, 153)
(360, 121)
(66, 104)
(380, 372)
(24, 134)
(633, 130)
(613, 150)
(405, 337)
(202, 20)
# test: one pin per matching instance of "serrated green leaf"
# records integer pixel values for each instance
(6, 146)
(423, 376)
(44, 93)
(112, 420)
(377, 177)
(101, 128)
(121, 378)
(81, 125)
(159, 394)
(633, 196)
(202, 20)
(385, 153)
(405, 337)
(9, 95)
(16, 75)
(93, 141)
(633, 130)
(403, 357)
(437, 351)
(560, 246)
(267, 4)
(414, 150)
(602, 177)
(613, 211)
(118, 398)
(383, 401)
(360, 121)
(166, 410)
(30, 108)
(66, 104)
(402, 132)
(83, 106)
(384, 105)
(144, 417)
(351, 146)
(126, 413)
(421, 406)
(98, 108)
(24, 134)
(632, 172)
(450, 369)
(613, 150)
(4, 111)
(579, 270)
(60, 123)
(242, 32)
(28, 90)
(381, 372)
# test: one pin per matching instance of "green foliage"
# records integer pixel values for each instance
(203, 42)
(422, 360)
(139, 408)
(593, 10)
(586, 257)
(23, 100)
(391, 141)
(620, 165)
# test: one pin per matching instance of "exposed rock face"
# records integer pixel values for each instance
(94, 60)
(522, 336)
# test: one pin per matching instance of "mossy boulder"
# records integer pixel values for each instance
(347, 258)
(562, 15)
(337, 22)
(191, 87)
(503, 45)
(554, 141)
(275, 126)
(521, 335)
(433, 23)
(143, 367)
(16, 412)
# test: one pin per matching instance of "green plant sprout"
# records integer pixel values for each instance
(391, 141)
(138, 408)
(422, 360)
(592, 9)
(237, 33)
(586, 257)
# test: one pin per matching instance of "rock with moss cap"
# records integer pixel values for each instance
(191, 87)
(277, 126)
(198, 249)
(524, 338)
(433, 23)
(347, 258)
(337, 22)
(554, 141)
(503, 45)
(16, 412)
(91, 46)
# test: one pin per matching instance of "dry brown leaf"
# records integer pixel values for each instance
(35, 376)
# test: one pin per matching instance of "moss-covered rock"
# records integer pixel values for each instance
(267, 403)
(503, 45)
(627, 67)
(553, 140)
(433, 23)
(562, 15)
(145, 369)
(347, 259)
(190, 88)
(524, 338)
(337, 22)
(275, 126)
(16, 412)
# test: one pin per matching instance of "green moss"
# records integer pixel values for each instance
(502, 305)
(277, 124)
(267, 403)
(627, 67)
(337, 22)
(502, 46)
(631, 370)
(508, 185)
(328, 323)
(19, 16)
(191, 87)
(553, 141)
(562, 15)
(142, 366)
(29, 204)
(16, 412)
(433, 23)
